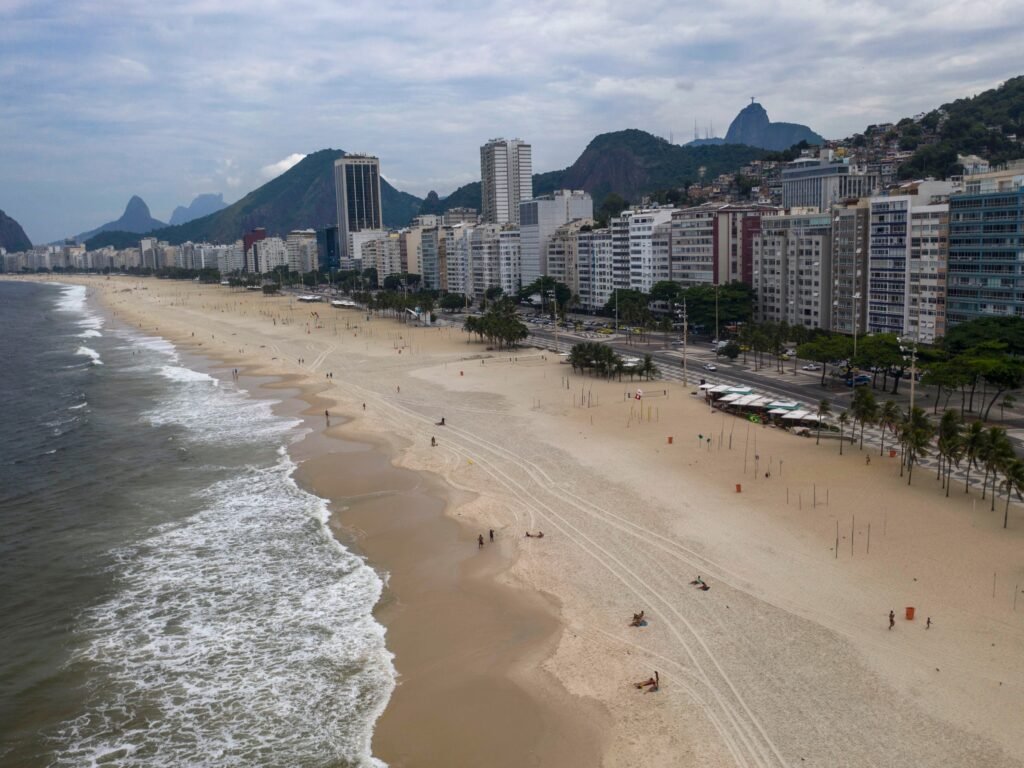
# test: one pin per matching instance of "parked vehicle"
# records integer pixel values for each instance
(710, 367)
(810, 367)
(860, 380)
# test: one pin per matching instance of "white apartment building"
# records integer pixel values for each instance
(907, 262)
(484, 259)
(356, 241)
(431, 243)
(506, 179)
(270, 253)
(564, 254)
(383, 254)
(231, 258)
(647, 265)
(301, 250)
(538, 220)
(457, 247)
(693, 233)
(597, 268)
(792, 268)
(510, 258)
(849, 267)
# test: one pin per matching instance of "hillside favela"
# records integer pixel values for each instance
(549, 386)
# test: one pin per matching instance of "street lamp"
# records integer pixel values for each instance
(685, 329)
(908, 346)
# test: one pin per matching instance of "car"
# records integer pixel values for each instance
(605, 331)
(677, 343)
(811, 367)
(710, 367)
(860, 380)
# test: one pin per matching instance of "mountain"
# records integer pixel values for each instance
(629, 163)
(12, 236)
(990, 124)
(753, 128)
(202, 205)
(300, 198)
(136, 218)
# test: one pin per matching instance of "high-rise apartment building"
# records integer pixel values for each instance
(538, 220)
(792, 266)
(506, 179)
(849, 268)
(596, 268)
(907, 262)
(986, 240)
(357, 188)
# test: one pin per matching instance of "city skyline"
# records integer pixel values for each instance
(109, 100)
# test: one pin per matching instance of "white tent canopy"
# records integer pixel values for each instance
(733, 398)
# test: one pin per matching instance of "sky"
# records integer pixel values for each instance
(103, 99)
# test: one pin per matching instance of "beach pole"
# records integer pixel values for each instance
(993, 585)
(869, 539)
(1016, 591)
(837, 540)
(853, 526)
(815, 495)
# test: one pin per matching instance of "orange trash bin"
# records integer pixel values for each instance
(739, 488)
(892, 454)
(670, 439)
(910, 613)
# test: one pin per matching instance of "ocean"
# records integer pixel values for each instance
(168, 595)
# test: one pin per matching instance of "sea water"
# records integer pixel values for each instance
(168, 595)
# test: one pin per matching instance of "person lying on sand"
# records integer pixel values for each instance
(697, 581)
(638, 620)
(537, 535)
(651, 681)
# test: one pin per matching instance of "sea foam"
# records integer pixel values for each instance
(243, 634)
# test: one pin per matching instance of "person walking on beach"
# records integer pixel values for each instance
(480, 540)
(928, 624)
(892, 619)
(490, 533)
(433, 442)
(653, 682)
(327, 416)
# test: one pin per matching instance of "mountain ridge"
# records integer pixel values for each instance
(136, 218)
(201, 205)
(12, 236)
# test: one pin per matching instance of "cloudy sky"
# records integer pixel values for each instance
(102, 99)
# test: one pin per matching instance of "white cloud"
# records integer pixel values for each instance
(276, 169)
(147, 96)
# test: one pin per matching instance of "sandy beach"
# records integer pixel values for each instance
(519, 652)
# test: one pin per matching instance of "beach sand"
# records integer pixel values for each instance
(520, 653)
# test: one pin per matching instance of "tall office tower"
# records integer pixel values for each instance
(506, 179)
(357, 189)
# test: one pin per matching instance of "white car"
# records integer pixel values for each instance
(811, 367)
(710, 367)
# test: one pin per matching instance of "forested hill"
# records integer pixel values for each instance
(990, 125)
(629, 163)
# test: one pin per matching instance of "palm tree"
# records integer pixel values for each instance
(949, 438)
(888, 418)
(972, 443)
(916, 434)
(998, 454)
(1014, 478)
(864, 409)
(824, 409)
(843, 418)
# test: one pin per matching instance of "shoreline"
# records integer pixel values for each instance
(787, 659)
(456, 701)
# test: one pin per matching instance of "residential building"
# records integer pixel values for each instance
(384, 254)
(510, 261)
(850, 267)
(792, 269)
(538, 220)
(484, 259)
(596, 267)
(301, 250)
(648, 265)
(357, 188)
(907, 262)
(455, 216)
(693, 246)
(269, 254)
(986, 240)
(564, 255)
(824, 181)
(411, 240)
(506, 179)
(328, 254)
(250, 254)
(356, 241)
(458, 245)
(431, 242)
